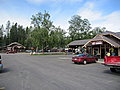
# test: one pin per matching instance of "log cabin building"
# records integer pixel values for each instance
(78, 44)
(15, 46)
(102, 44)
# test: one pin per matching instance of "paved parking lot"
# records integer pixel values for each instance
(54, 72)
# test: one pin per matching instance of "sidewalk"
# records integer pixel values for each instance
(100, 61)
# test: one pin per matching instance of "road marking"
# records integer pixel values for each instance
(2, 88)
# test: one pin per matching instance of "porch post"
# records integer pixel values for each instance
(100, 51)
(93, 50)
(118, 51)
(105, 48)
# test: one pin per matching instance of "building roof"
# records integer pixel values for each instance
(117, 34)
(78, 42)
(102, 37)
(15, 43)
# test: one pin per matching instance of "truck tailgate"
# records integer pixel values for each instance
(112, 61)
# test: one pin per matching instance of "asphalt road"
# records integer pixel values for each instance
(25, 72)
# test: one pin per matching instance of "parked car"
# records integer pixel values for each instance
(113, 62)
(11, 52)
(84, 58)
(1, 65)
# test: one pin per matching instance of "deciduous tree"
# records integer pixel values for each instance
(79, 28)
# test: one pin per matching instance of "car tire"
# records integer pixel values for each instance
(112, 69)
(84, 62)
(75, 62)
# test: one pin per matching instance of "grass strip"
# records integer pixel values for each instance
(50, 54)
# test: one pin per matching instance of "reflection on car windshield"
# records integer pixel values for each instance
(81, 55)
(89, 56)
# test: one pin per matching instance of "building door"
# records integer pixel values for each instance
(96, 51)
(103, 52)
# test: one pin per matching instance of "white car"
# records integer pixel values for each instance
(1, 65)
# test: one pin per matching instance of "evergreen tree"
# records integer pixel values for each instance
(1, 35)
(13, 33)
(7, 37)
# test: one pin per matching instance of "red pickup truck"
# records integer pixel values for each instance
(113, 62)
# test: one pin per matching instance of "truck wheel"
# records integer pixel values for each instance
(112, 69)
(84, 62)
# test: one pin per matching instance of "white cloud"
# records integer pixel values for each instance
(63, 23)
(90, 15)
(87, 12)
(21, 20)
(98, 19)
(111, 22)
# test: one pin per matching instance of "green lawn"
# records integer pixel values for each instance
(62, 53)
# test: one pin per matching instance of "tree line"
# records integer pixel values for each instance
(44, 35)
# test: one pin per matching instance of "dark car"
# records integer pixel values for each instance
(11, 52)
(84, 58)
(1, 65)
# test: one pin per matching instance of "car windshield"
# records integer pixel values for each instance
(89, 55)
(80, 55)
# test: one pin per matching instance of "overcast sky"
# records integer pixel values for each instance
(100, 13)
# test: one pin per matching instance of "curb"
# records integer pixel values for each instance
(100, 62)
